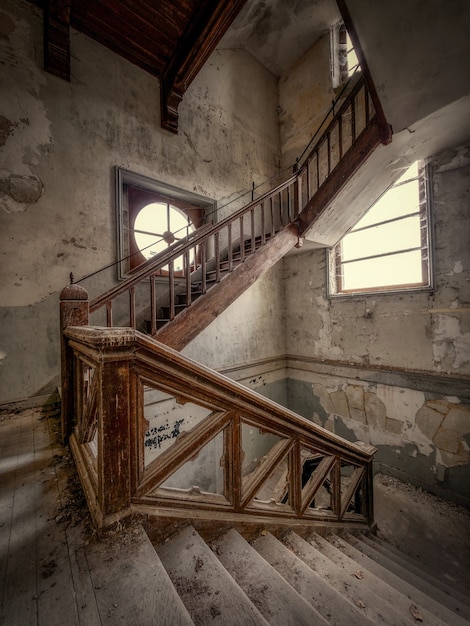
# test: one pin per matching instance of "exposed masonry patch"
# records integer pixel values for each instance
(399, 417)
(451, 347)
(22, 189)
(6, 129)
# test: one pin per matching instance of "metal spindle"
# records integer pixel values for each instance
(153, 306)
(171, 275)
(217, 257)
(132, 320)
(230, 248)
(187, 273)
(109, 314)
(263, 234)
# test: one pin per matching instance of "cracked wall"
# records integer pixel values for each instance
(406, 339)
(59, 144)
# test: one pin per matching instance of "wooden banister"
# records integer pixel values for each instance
(227, 423)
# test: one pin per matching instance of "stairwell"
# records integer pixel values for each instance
(294, 578)
(220, 572)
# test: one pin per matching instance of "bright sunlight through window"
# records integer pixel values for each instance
(388, 248)
(157, 226)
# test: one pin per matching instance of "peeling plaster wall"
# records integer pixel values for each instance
(420, 432)
(305, 96)
(59, 143)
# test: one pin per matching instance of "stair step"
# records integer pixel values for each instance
(208, 591)
(272, 595)
(374, 606)
(317, 591)
(400, 557)
(403, 595)
(447, 605)
(130, 584)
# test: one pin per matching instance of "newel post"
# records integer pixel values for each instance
(73, 312)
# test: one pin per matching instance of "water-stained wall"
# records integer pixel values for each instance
(59, 144)
(393, 370)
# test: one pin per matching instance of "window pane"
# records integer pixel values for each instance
(399, 235)
(397, 269)
(394, 203)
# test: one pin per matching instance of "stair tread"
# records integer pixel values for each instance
(130, 584)
(395, 554)
(273, 596)
(451, 606)
(208, 591)
(375, 607)
(317, 591)
(396, 590)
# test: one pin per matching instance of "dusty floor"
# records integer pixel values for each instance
(48, 550)
(433, 531)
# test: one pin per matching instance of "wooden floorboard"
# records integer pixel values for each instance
(54, 570)
(18, 468)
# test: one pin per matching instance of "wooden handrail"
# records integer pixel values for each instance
(112, 367)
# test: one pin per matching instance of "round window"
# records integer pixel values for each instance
(158, 225)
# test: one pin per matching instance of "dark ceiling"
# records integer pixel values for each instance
(170, 39)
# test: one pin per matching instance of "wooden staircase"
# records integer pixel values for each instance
(221, 260)
(228, 579)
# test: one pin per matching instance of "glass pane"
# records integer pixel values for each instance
(255, 445)
(203, 473)
(315, 469)
(399, 235)
(355, 504)
(275, 488)
(398, 269)
(395, 202)
(160, 226)
(166, 420)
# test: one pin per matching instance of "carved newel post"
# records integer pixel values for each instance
(73, 312)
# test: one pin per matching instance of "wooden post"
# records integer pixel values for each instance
(114, 462)
(73, 312)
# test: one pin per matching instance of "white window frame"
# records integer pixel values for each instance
(335, 261)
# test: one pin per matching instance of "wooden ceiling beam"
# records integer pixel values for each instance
(57, 37)
(200, 39)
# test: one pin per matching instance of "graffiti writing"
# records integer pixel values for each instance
(155, 436)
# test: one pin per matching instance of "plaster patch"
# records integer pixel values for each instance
(451, 347)
(402, 404)
(458, 267)
(324, 345)
(23, 190)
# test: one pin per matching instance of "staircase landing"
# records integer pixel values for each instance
(54, 570)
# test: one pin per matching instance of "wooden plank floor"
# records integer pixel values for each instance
(53, 568)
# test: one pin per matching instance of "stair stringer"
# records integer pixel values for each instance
(194, 319)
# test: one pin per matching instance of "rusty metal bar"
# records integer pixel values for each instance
(132, 320)
(171, 275)
(230, 248)
(109, 314)
(153, 306)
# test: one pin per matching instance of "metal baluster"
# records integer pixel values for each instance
(153, 306)
(217, 257)
(109, 314)
(132, 307)
(171, 275)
